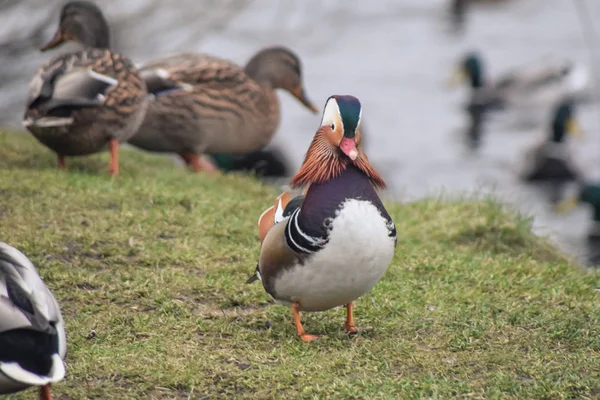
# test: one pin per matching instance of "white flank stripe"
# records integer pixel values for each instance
(14, 371)
(313, 240)
(289, 231)
(58, 368)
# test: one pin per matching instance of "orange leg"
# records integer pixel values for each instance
(62, 164)
(303, 335)
(198, 163)
(45, 392)
(113, 146)
(349, 325)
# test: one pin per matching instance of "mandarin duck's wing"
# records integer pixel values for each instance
(272, 215)
(275, 255)
(280, 211)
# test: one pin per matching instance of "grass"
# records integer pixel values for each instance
(149, 269)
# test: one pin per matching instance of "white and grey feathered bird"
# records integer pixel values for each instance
(32, 333)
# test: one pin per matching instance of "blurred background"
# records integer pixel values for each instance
(395, 55)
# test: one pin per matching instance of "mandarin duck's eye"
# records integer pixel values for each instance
(333, 127)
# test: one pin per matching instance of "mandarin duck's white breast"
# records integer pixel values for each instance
(345, 239)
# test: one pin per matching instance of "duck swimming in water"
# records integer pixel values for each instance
(550, 161)
(528, 91)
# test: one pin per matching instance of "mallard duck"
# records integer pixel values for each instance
(549, 161)
(474, 132)
(204, 104)
(531, 86)
(32, 333)
(588, 193)
(330, 246)
(265, 162)
(85, 101)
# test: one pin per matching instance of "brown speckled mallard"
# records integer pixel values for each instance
(81, 102)
(207, 105)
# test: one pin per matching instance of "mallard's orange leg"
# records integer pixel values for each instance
(113, 146)
(198, 163)
(303, 335)
(45, 392)
(62, 164)
(349, 325)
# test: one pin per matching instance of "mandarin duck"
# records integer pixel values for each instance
(85, 101)
(207, 105)
(331, 245)
(32, 333)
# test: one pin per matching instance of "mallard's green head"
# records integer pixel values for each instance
(563, 121)
(590, 194)
(471, 69)
(83, 22)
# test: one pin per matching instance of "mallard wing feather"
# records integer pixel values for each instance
(73, 90)
(184, 71)
(74, 81)
(543, 82)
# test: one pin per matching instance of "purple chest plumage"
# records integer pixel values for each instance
(309, 226)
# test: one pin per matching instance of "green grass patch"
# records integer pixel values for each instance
(149, 269)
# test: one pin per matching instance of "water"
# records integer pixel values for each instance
(396, 57)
